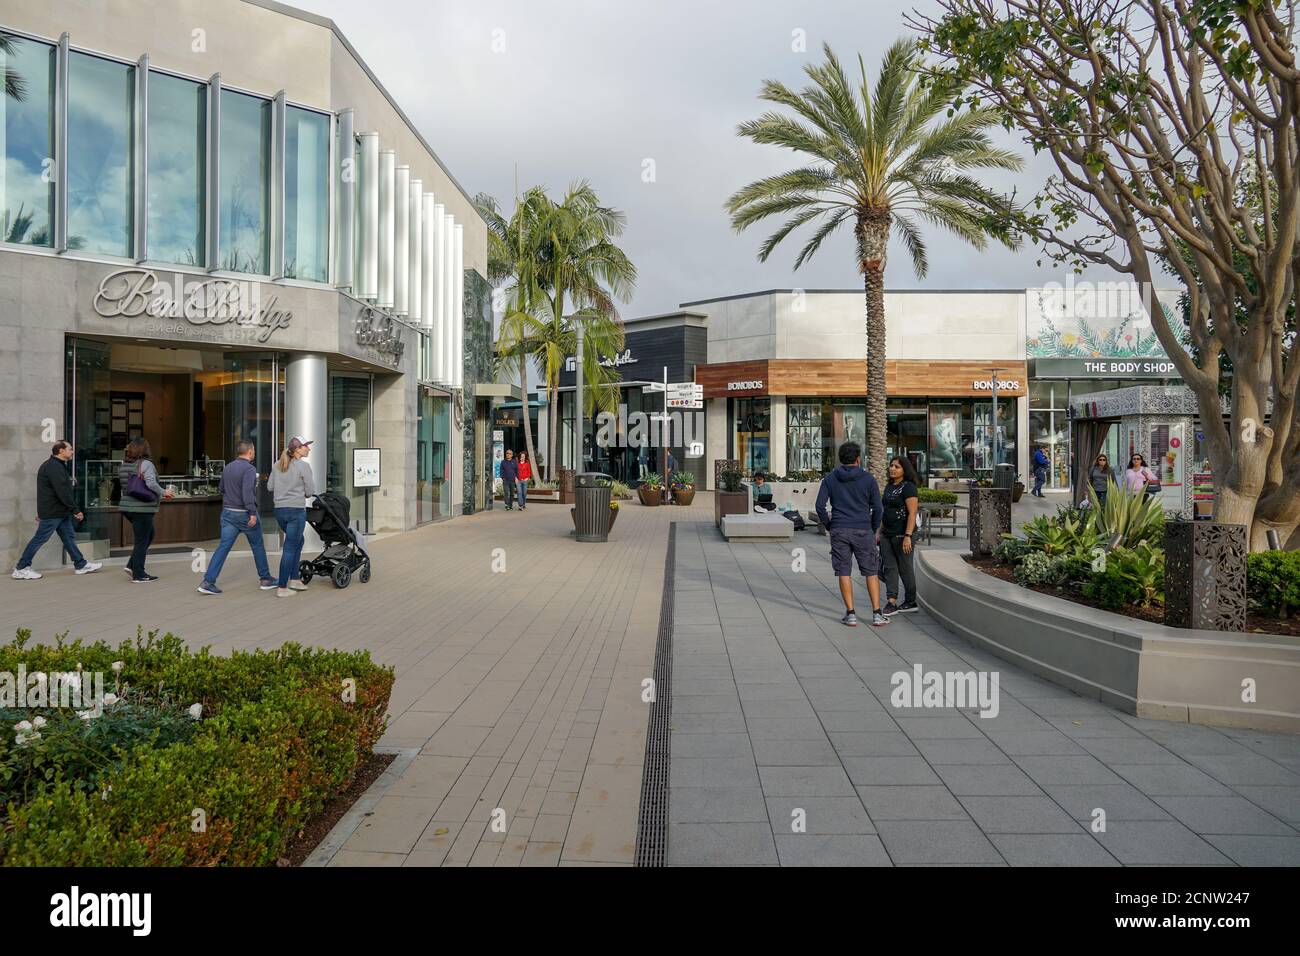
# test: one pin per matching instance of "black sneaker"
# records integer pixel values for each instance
(890, 609)
(144, 578)
(906, 607)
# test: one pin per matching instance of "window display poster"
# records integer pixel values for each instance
(365, 468)
(850, 424)
(804, 437)
(1169, 461)
(983, 437)
(945, 437)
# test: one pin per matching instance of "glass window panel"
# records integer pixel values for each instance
(244, 205)
(26, 141)
(177, 169)
(101, 130)
(306, 194)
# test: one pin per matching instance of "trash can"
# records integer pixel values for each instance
(591, 514)
(1004, 476)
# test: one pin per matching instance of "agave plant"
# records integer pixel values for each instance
(1135, 518)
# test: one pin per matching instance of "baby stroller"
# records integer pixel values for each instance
(343, 554)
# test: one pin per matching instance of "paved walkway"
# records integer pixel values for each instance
(782, 715)
(521, 690)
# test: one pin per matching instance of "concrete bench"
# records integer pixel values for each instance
(756, 526)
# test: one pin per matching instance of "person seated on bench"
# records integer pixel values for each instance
(762, 493)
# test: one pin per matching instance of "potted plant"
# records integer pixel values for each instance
(1017, 489)
(651, 489)
(729, 499)
(683, 485)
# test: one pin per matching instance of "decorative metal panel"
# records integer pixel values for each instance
(1205, 575)
(989, 518)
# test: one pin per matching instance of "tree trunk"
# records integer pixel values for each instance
(528, 424)
(552, 407)
(872, 231)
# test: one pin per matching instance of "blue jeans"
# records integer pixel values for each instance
(67, 530)
(293, 522)
(233, 524)
(523, 492)
(1040, 476)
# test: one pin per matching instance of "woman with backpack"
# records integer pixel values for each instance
(141, 495)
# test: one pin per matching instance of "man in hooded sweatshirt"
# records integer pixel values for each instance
(854, 526)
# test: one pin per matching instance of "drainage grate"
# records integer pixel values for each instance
(652, 825)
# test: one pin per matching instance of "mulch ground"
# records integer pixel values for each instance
(1255, 623)
(319, 826)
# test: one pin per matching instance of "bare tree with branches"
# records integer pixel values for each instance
(1173, 126)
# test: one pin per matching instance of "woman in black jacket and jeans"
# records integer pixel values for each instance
(900, 498)
(138, 511)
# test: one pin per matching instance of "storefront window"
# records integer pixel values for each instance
(245, 195)
(752, 436)
(177, 168)
(349, 417)
(306, 195)
(101, 129)
(26, 141)
(433, 472)
(1049, 428)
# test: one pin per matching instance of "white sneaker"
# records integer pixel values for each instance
(90, 567)
(26, 574)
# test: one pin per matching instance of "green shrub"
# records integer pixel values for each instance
(1134, 517)
(619, 490)
(1111, 588)
(1273, 581)
(1011, 549)
(275, 741)
(731, 478)
(682, 479)
(1037, 568)
(938, 497)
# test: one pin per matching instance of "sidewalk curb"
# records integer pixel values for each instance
(365, 805)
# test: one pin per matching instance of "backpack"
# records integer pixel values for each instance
(796, 518)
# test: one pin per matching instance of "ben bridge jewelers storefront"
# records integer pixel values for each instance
(197, 257)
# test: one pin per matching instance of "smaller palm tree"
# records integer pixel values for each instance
(14, 82)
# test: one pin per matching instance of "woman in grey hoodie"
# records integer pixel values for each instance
(290, 484)
(139, 512)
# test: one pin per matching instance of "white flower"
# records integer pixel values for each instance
(22, 740)
(38, 722)
(196, 711)
(87, 714)
(107, 791)
(78, 667)
(23, 726)
(110, 700)
(117, 667)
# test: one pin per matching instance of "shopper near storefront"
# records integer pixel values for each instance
(141, 496)
(1100, 477)
(854, 526)
(239, 516)
(525, 471)
(1138, 478)
(900, 500)
(509, 477)
(1041, 463)
(290, 484)
(56, 512)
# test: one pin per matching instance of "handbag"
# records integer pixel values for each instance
(138, 489)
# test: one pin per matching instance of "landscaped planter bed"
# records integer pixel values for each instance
(200, 760)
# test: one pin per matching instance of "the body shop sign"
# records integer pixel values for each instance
(209, 309)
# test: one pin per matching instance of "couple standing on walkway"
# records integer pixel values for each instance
(515, 472)
(290, 485)
(862, 523)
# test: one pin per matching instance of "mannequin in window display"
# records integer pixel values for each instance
(947, 444)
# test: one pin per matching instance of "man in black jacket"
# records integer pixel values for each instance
(509, 475)
(56, 509)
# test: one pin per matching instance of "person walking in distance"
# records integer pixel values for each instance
(900, 499)
(1137, 476)
(854, 526)
(1100, 477)
(509, 475)
(290, 485)
(141, 498)
(239, 516)
(56, 511)
(1041, 464)
(525, 470)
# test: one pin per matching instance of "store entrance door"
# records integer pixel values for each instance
(905, 436)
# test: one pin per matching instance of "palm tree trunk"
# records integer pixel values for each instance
(552, 416)
(872, 230)
(528, 424)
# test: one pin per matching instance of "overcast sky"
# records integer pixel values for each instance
(570, 89)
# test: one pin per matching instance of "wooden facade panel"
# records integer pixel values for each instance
(829, 378)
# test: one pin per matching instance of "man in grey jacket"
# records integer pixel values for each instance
(239, 516)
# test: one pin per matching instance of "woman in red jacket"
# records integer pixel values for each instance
(525, 472)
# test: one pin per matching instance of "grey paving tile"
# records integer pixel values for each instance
(892, 744)
(714, 772)
(1101, 725)
(936, 728)
(1282, 802)
(1259, 850)
(795, 753)
(702, 687)
(991, 780)
(1120, 802)
(1006, 814)
(721, 844)
(936, 841)
(1128, 750)
(708, 724)
(1224, 815)
(911, 803)
(1157, 843)
(710, 745)
(706, 704)
(809, 781)
(716, 805)
(967, 750)
(1052, 849)
(889, 771)
(784, 709)
(857, 721)
(787, 691)
(785, 728)
(1169, 780)
(1066, 768)
(808, 849)
(862, 701)
(821, 815)
(1027, 742)
(1247, 768)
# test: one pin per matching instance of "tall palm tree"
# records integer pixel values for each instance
(14, 83)
(580, 268)
(884, 161)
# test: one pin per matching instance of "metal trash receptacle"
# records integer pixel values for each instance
(591, 509)
(1004, 476)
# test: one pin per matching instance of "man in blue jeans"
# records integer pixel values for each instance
(239, 516)
(1041, 463)
(854, 526)
(56, 509)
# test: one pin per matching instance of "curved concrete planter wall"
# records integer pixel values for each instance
(1144, 669)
